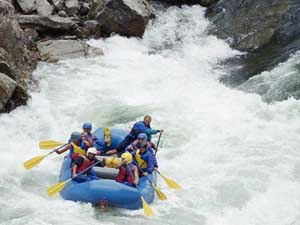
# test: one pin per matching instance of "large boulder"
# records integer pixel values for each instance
(55, 50)
(124, 17)
(47, 23)
(7, 88)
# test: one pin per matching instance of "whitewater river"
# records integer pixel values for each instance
(236, 157)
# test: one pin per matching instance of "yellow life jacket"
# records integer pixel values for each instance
(78, 150)
(142, 163)
(112, 162)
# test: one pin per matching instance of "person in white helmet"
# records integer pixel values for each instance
(82, 162)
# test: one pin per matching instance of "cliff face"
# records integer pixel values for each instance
(16, 61)
(269, 31)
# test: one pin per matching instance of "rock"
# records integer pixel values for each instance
(16, 61)
(269, 38)
(5, 68)
(47, 23)
(7, 88)
(62, 13)
(84, 9)
(6, 9)
(32, 36)
(19, 97)
(58, 4)
(204, 3)
(243, 22)
(72, 7)
(44, 8)
(82, 32)
(96, 7)
(54, 50)
(124, 17)
(27, 6)
(93, 27)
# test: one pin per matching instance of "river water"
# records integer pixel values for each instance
(236, 157)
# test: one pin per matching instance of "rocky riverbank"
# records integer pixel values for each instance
(50, 30)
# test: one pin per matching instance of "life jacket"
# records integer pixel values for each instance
(77, 149)
(86, 163)
(125, 175)
(140, 159)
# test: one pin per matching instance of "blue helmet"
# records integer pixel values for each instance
(142, 136)
(87, 126)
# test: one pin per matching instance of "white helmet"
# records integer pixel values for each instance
(92, 150)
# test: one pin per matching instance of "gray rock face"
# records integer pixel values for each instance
(54, 50)
(251, 24)
(7, 88)
(42, 23)
(16, 61)
(125, 17)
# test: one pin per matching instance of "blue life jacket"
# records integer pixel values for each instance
(141, 127)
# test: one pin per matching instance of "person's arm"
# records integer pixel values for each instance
(62, 150)
(150, 164)
(136, 176)
(86, 140)
(74, 169)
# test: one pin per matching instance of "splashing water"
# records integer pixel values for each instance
(235, 156)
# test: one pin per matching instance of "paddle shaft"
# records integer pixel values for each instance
(54, 150)
(142, 171)
(158, 142)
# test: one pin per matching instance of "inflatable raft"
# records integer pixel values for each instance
(106, 190)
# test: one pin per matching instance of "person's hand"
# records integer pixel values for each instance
(156, 169)
(57, 151)
(145, 174)
(162, 130)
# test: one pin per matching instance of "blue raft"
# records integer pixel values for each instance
(106, 191)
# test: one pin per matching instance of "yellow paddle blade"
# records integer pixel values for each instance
(147, 210)
(159, 193)
(33, 162)
(57, 187)
(49, 144)
(171, 183)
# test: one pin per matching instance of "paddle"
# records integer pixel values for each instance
(36, 160)
(61, 185)
(49, 144)
(158, 142)
(171, 183)
(159, 193)
(147, 210)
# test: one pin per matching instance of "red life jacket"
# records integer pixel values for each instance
(86, 163)
(125, 175)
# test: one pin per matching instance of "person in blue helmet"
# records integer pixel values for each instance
(87, 137)
(138, 127)
(140, 138)
(144, 159)
(75, 140)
